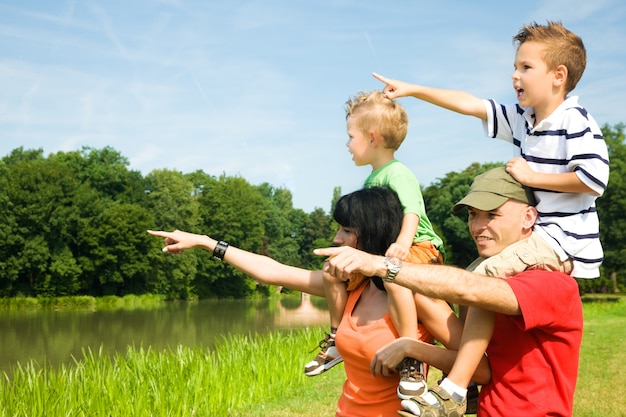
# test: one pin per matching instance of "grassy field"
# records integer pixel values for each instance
(262, 376)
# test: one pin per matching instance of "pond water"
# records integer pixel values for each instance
(55, 337)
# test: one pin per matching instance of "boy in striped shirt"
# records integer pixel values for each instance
(562, 157)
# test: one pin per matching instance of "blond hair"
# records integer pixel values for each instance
(375, 112)
(562, 47)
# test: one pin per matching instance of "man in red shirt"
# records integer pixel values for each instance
(535, 346)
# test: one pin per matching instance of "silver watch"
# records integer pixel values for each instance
(393, 267)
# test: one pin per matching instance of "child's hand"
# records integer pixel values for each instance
(393, 88)
(396, 250)
(520, 170)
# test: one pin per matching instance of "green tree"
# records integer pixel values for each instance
(106, 171)
(439, 198)
(41, 192)
(9, 240)
(121, 256)
(232, 210)
(172, 201)
(611, 213)
(318, 232)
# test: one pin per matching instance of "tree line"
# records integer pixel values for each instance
(74, 223)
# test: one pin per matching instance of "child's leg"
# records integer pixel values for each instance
(403, 312)
(404, 317)
(477, 333)
(402, 309)
(336, 294)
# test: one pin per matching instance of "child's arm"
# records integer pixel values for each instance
(400, 248)
(566, 183)
(457, 101)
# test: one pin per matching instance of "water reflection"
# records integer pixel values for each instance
(56, 336)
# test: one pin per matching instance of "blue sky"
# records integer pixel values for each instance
(257, 88)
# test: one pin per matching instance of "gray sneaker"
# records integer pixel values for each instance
(327, 357)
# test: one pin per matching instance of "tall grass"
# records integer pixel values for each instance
(260, 375)
(241, 374)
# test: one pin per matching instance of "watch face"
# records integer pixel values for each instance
(395, 262)
(393, 267)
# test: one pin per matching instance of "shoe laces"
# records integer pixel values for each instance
(410, 369)
(324, 343)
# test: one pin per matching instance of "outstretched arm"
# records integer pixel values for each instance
(261, 268)
(457, 101)
(438, 281)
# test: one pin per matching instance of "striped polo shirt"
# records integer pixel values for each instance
(569, 140)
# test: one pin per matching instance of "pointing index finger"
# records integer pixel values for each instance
(380, 78)
(326, 251)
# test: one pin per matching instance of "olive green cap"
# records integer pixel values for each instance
(492, 189)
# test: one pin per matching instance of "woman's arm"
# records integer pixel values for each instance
(388, 357)
(441, 322)
(261, 268)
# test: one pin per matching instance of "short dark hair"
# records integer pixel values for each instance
(375, 214)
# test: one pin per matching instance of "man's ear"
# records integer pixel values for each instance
(530, 217)
(560, 75)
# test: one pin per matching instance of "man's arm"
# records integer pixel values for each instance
(438, 281)
(457, 101)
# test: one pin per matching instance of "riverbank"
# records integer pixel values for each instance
(80, 302)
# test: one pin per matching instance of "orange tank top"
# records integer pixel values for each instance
(365, 395)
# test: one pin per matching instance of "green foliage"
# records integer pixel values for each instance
(439, 199)
(75, 224)
(611, 213)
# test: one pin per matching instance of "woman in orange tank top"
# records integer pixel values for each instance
(370, 220)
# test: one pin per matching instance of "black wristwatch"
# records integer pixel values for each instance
(393, 267)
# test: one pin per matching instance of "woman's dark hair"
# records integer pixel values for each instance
(375, 214)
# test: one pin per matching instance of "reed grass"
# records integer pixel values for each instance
(260, 375)
(241, 374)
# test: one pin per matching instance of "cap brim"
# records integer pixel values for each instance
(481, 200)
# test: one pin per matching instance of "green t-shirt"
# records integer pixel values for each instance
(401, 179)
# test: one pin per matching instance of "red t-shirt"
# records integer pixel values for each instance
(534, 357)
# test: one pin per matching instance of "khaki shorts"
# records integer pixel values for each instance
(531, 253)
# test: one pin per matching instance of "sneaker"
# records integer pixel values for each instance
(412, 383)
(446, 406)
(327, 357)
